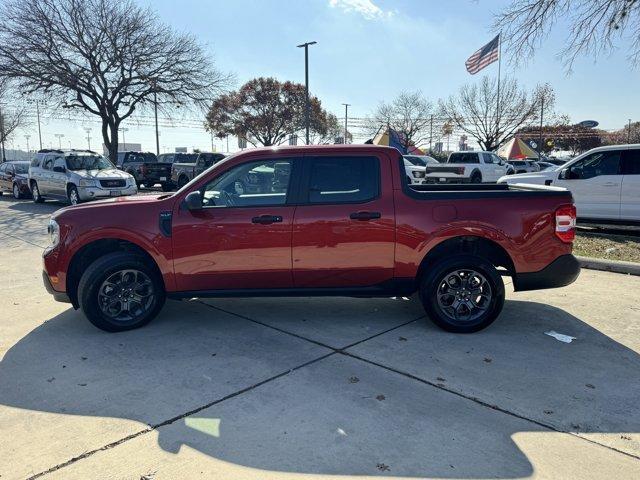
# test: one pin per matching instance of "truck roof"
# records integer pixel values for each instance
(322, 148)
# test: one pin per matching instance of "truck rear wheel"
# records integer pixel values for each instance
(476, 177)
(462, 293)
(121, 291)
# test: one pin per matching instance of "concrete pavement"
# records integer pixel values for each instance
(320, 388)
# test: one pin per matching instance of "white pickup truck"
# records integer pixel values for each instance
(467, 167)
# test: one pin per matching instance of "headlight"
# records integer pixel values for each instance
(54, 232)
(418, 174)
(87, 183)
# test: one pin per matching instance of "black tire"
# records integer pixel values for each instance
(166, 187)
(35, 193)
(73, 196)
(435, 284)
(476, 177)
(182, 181)
(90, 295)
(16, 192)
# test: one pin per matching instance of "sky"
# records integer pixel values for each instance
(369, 51)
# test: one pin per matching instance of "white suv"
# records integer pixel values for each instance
(76, 176)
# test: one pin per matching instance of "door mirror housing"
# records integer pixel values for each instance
(563, 174)
(59, 169)
(193, 201)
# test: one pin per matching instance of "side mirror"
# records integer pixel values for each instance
(563, 174)
(193, 201)
(59, 169)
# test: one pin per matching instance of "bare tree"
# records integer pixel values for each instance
(409, 114)
(477, 111)
(594, 26)
(11, 119)
(105, 57)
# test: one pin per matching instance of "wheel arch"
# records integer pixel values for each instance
(469, 245)
(93, 250)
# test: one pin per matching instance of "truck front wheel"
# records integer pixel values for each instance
(120, 291)
(462, 293)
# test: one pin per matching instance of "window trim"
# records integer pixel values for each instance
(303, 193)
(620, 153)
(293, 183)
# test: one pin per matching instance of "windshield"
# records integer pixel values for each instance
(420, 161)
(88, 162)
(21, 168)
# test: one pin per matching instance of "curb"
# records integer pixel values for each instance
(615, 266)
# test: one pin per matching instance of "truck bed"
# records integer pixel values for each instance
(482, 190)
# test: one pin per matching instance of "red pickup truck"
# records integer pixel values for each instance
(316, 220)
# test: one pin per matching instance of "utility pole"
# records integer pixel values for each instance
(88, 130)
(4, 157)
(306, 86)
(155, 111)
(430, 132)
(124, 140)
(27, 137)
(541, 117)
(60, 136)
(213, 148)
(629, 133)
(346, 116)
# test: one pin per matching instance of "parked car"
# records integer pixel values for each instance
(318, 220)
(415, 167)
(467, 167)
(76, 176)
(14, 178)
(183, 173)
(146, 169)
(524, 166)
(605, 183)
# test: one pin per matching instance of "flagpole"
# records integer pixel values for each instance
(499, 65)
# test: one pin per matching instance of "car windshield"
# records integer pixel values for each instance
(88, 162)
(21, 167)
(415, 161)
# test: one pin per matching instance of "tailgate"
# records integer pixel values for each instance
(158, 169)
(445, 170)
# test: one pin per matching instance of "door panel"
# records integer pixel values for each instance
(343, 244)
(596, 185)
(221, 248)
(630, 195)
(241, 239)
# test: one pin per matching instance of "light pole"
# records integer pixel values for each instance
(27, 137)
(88, 130)
(59, 136)
(346, 116)
(155, 111)
(629, 133)
(306, 86)
(124, 140)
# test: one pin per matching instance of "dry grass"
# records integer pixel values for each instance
(607, 246)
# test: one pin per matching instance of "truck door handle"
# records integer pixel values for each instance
(364, 215)
(611, 184)
(266, 219)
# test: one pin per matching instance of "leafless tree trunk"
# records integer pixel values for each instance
(106, 57)
(594, 26)
(476, 110)
(409, 114)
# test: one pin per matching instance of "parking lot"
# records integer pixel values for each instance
(320, 387)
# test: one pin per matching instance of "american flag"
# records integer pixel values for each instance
(483, 57)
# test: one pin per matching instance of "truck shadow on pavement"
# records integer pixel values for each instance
(410, 402)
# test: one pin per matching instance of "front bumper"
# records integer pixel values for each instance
(91, 193)
(561, 272)
(57, 296)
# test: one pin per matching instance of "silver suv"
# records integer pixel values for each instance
(76, 176)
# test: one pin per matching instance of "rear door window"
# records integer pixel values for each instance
(631, 162)
(335, 180)
(596, 165)
(47, 164)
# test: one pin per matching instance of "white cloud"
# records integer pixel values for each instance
(366, 8)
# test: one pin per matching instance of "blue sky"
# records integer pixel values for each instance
(370, 50)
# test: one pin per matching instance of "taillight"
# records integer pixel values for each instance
(566, 223)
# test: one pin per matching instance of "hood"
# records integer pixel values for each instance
(107, 174)
(533, 177)
(114, 202)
